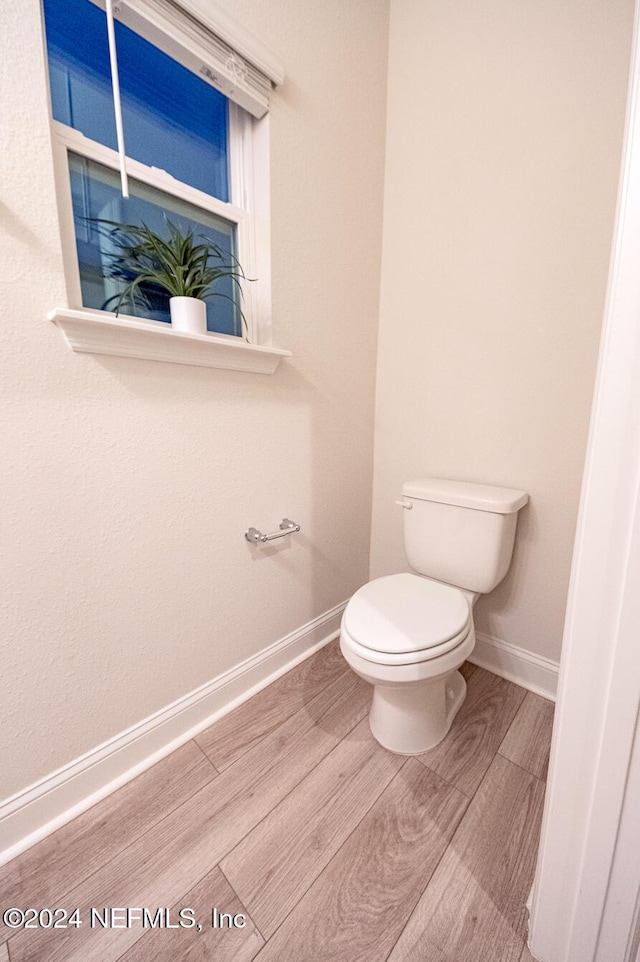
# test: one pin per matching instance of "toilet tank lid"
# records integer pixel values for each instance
(465, 494)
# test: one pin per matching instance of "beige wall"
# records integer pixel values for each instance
(503, 147)
(127, 485)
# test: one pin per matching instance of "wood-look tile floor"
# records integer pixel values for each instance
(287, 818)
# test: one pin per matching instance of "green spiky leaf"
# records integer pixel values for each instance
(177, 264)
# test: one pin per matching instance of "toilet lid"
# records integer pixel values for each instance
(404, 613)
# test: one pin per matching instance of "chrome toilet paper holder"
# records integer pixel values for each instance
(254, 536)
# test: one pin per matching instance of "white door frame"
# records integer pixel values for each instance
(586, 897)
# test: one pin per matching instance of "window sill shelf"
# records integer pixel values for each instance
(96, 332)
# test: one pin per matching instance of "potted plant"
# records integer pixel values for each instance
(176, 264)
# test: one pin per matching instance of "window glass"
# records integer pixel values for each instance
(96, 195)
(172, 119)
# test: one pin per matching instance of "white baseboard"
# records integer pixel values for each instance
(34, 813)
(523, 667)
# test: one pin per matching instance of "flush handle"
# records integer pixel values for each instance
(405, 503)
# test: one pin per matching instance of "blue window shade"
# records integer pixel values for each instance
(172, 119)
(95, 192)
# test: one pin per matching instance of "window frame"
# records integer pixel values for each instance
(248, 208)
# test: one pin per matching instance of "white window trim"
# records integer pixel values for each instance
(250, 193)
(97, 332)
(248, 209)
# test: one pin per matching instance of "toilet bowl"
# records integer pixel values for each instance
(408, 634)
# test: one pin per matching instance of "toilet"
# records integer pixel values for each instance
(408, 634)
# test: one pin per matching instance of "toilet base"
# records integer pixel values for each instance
(411, 718)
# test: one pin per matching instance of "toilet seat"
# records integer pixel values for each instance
(403, 619)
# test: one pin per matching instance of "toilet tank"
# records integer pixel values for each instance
(460, 533)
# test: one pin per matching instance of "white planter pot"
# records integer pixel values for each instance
(188, 314)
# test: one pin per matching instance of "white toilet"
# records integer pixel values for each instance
(408, 634)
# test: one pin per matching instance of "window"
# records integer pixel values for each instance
(193, 114)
